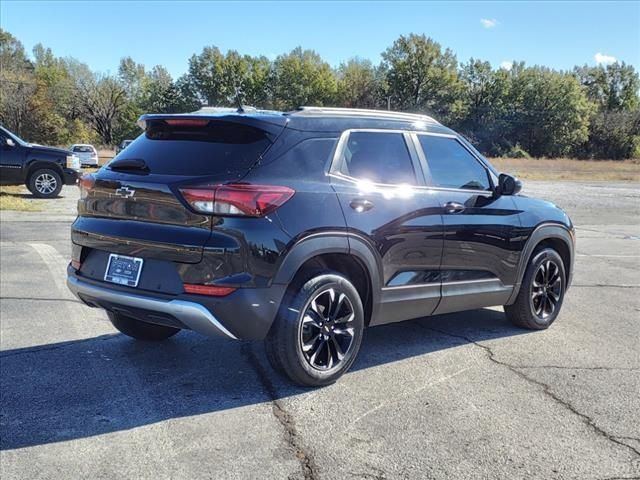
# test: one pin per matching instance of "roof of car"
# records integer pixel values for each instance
(310, 118)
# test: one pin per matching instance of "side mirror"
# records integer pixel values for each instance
(9, 143)
(508, 184)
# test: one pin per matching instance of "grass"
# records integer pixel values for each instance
(13, 198)
(569, 169)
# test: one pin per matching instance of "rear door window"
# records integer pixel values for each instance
(83, 149)
(451, 165)
(380, 157)
(215, 148)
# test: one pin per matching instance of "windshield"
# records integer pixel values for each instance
(16, 138)
(83, 149)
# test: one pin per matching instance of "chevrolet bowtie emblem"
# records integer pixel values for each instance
(125, 192)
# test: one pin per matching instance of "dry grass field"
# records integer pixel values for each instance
(569, 169)
(14, 198)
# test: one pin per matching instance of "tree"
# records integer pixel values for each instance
(551, 112)
(612, 88)
(423, 78)
(255, 86)
(206, 72)
(103, 100)
(301, 77)
(133, 78)
(486, 106)
(359, 84)
(17, 83)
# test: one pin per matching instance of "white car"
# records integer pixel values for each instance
(87, 153)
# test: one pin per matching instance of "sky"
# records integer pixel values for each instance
(555, 34)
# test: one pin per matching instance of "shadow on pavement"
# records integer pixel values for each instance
(77, 389)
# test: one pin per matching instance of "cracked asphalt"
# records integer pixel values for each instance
(450, 397)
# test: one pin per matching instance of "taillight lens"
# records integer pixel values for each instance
(85, 184)
(237, 199)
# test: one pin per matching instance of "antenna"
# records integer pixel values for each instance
(238, 99)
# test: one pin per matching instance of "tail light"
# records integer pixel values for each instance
(85, 184)
(237, 199)
(211, 290)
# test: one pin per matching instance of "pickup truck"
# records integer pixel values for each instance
(42, 169)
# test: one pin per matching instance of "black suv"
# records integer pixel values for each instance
(303, 228)
(42, 169)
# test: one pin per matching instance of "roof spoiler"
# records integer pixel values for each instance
(272, 124)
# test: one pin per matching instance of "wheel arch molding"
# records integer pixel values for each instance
(542, 233)
(319, 244)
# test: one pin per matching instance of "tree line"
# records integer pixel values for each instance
(588, 112)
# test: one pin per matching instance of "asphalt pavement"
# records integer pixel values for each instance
(451, 397)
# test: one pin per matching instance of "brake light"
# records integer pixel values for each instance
(211, 290)
(85, 184)
(186, 122)
(237, 199)
(76, 264)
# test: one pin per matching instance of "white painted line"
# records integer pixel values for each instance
(56, 264)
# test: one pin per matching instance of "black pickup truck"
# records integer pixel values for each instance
(42, 169)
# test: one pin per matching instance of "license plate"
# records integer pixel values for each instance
(123, 270)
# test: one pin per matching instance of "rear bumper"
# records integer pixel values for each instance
(245, 314)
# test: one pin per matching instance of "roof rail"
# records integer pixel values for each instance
(365, 112)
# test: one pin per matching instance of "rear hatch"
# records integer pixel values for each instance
(133, 205)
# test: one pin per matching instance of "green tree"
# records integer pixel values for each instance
(206, 72)
(612, 88)
(551, 111)
(359, 84)
(486, 106)
(133, 79)
(301, 77)
(422, 77)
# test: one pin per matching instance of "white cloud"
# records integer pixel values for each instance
(489, 22)
(602, 59)
(507, 65)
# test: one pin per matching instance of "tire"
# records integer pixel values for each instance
(541, 293)
(317, 333)
(44, 183)
(141, 330)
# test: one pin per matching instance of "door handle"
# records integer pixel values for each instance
(361, 204)
(453, 207)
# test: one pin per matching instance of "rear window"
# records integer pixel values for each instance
(83, 149)
(217, 148)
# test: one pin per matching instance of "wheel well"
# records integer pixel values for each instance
(37, 165)
(560, 247)
(345, 264)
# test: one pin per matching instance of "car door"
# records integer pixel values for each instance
(380, 185)
(11, 160)
(482, 235)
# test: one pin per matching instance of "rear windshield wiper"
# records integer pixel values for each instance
(130, 164)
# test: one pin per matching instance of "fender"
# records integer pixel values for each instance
(36, 163)
(333, 242)
(540, 233)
